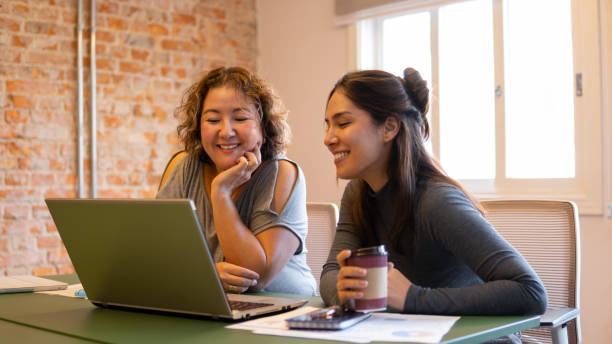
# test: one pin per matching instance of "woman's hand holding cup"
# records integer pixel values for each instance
(351, 280)
(362, 279)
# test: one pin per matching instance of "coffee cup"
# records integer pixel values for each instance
(374, 260)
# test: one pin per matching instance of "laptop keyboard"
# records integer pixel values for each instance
(245, 305)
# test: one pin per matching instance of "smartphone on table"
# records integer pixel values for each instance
(330, 318)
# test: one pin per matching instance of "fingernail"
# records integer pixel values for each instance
(253, 283)
(364, 283)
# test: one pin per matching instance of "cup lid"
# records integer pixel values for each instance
(379, 250)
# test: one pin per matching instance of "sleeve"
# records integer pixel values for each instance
(293, 217)
(345, 238)
(510, 285)
(175, 184)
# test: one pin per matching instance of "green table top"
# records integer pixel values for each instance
(78, 318)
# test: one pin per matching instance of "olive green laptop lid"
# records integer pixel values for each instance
(146, 254)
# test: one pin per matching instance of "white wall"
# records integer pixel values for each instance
(302, 53)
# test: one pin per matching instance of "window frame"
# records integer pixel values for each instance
(586, 188)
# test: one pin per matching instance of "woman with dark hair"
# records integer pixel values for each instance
(445, 256)
(250, 199)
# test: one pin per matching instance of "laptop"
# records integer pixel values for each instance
(150, 255)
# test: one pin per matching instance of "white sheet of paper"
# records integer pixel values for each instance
(69, 292)
(387, 327)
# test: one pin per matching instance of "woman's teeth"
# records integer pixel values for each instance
(340, 155)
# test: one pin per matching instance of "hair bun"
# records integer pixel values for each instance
(417, 90)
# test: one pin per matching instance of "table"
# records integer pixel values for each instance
(50, 318)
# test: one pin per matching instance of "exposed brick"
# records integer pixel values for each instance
(100, 49)
(66, 270)
(168, 44)
(150, 193)
(135, 103)
(16, 179)
(47, 58)
(150, 137)
(16, 212)
(160, 113)
(172, 139)
(21, 9)
(24, 163)
(10, 55)
(45, 13)
(117, 24)
(131, 67)
(9, 24)
(40, 28)
(20, 101)
(116, 179)
(111, 121)
(147, 166)
(45, 149)
(51, 228)
(108, 7)
(44, 271)
(14, 116)
(103, 78)
(105, 36)
(153, 179)
(158, 30)
(18, 148)
(140, 54)
(143, 110)
(184, 19)
(58, 257)
(69, 179)
(140, 41)
(32, 87)
(40, 212)
(57, 165)
(60, 194)
(219, 13)
(106, 64)
(21, 41)
(7, 164)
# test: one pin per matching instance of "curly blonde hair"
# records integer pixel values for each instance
(272, 113)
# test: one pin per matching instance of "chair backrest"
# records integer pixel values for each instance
(547, 234)
(169, 167)
(322, 220)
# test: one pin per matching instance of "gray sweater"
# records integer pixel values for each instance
(458, 265)
(253, 205)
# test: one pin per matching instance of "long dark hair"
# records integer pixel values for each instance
(382, 95)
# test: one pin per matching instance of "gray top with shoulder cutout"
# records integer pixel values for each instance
(253, 205)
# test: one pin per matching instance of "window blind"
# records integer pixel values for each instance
(350, 11)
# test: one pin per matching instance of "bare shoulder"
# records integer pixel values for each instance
(285, 182)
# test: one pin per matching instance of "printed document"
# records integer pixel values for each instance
(384, 327)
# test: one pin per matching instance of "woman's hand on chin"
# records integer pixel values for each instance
(227, 181)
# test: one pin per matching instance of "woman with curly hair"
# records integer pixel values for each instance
(250, 199)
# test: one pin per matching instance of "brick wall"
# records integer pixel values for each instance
(148, 52)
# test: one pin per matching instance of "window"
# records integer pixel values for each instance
(515, 105)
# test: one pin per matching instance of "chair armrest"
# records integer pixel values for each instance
(555, 317)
